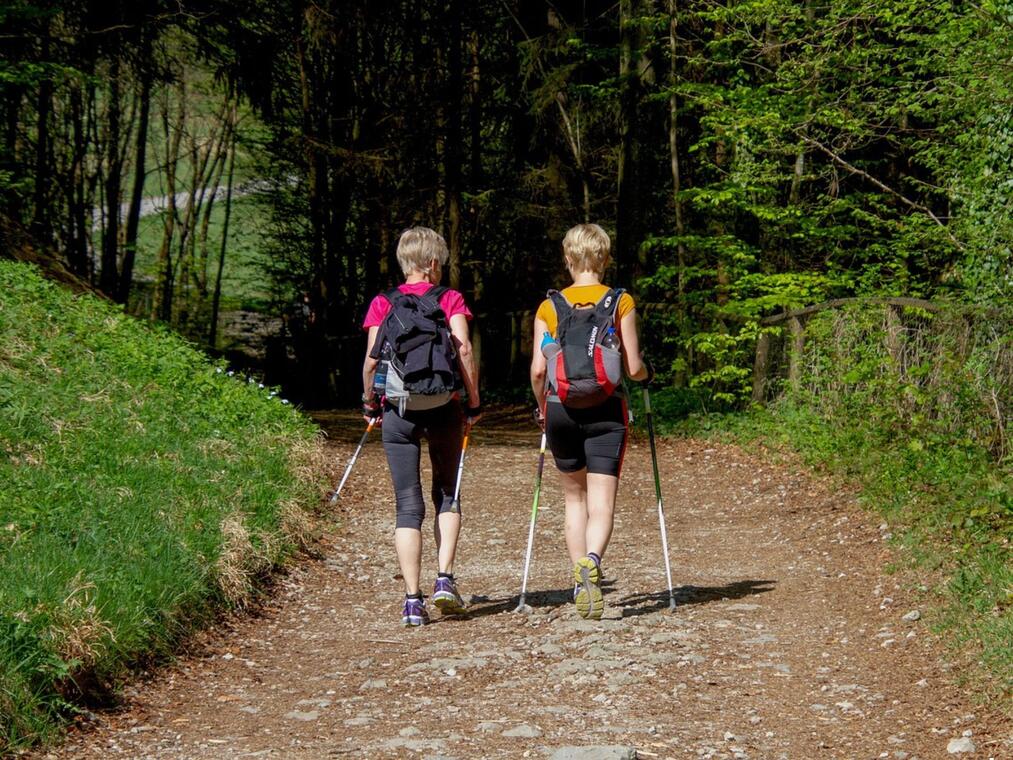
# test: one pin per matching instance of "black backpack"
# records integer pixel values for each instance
(586, 367)
(418, 361)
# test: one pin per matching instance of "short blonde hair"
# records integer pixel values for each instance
(587, 248)
(420, 246)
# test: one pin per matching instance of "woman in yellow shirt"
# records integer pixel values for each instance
(587, 441)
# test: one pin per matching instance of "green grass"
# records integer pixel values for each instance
(141, 488)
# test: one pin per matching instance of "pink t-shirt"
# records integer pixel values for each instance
(452, 302)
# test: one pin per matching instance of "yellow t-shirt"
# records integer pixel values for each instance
(582, 295)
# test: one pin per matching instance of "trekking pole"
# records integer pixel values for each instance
(521, 606)
(455, 505)
(657, 490)
(351, 462)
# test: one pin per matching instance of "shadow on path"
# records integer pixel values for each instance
(644, 604)
(633, 605)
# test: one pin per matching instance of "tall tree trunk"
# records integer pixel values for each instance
(475, 183)
(673, 149)
(217, 295)
(161, 302)
(12, 119)
(109, 276)
(43, 168)
(140, 173)
(630, 94)
(77, 207)
(315, 175)
(673, 143)
(215, 174)
(452, 152)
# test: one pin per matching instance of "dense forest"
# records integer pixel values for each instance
(746, 156)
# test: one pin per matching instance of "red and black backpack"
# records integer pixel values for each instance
(584, 371)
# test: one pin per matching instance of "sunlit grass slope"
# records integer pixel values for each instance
(141, 488)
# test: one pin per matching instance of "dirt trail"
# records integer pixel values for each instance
(788, 642)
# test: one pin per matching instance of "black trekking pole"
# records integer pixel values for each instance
(521, 606)
(351, 462)
(657, 491)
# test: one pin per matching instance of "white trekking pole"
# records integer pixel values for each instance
(521, 606)
(455, 505)
(351, 462)
(657, 491)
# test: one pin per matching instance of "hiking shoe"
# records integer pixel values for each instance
(414, 612)
(446, 598)
(589, 601)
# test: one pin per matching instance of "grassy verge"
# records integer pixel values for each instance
(925, 435)
(141, 488)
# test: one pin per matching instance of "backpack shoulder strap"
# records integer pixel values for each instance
(559, 303)
(608, 305)
(434, 294)
(393, 295)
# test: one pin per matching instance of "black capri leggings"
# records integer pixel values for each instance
(594, 438)
(402, 442)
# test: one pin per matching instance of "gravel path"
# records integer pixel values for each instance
(789, 641)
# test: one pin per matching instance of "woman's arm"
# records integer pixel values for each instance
(369, 363)
(368, 371)
(466, 360)
(633, 362)
(538, 363)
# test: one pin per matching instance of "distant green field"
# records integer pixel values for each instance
(141, 488)
(244, 284)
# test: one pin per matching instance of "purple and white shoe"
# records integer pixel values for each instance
(414, 612)
(446, 598)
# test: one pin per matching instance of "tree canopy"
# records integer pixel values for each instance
(746, 156)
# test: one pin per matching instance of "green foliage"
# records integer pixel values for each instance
(140, 485)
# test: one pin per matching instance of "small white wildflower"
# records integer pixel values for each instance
(230, 373)
(218, 370)
(284, 401)
(260, 385)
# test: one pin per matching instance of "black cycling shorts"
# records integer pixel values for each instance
(594, 438)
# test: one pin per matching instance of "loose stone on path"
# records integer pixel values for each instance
(523, 731)
(613, 752)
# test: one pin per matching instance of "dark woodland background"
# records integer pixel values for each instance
(747, 157)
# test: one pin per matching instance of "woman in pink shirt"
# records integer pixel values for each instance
(438, 417)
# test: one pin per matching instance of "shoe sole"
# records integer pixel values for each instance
(413, 621)
(590, 602)
(448, 604)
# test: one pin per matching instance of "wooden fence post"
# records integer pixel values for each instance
(795, 357)
(893, 328)
(760, 367)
